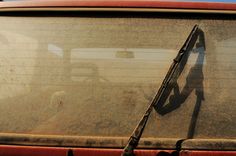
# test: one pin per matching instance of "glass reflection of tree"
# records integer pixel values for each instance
(194, 81)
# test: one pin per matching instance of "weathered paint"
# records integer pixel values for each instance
(6, 150)
(207, 153)
(55, 151)
(122, 3)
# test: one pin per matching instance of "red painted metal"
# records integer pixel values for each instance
(207, 153)
(113, 152)
(120, 3)
(8, 150)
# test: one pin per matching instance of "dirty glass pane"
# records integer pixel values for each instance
(96, 76)
(201, 103)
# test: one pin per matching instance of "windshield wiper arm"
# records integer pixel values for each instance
(137, 133)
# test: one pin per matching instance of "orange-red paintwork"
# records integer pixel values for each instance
(208, 153)
(6, 150)
(120, 3)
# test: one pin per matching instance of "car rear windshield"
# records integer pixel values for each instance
(89, 76)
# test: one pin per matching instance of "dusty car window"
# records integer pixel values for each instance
(95, 76)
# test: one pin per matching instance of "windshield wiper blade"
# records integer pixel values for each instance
(137, 133)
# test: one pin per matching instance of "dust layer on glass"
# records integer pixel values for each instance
(96, 76)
